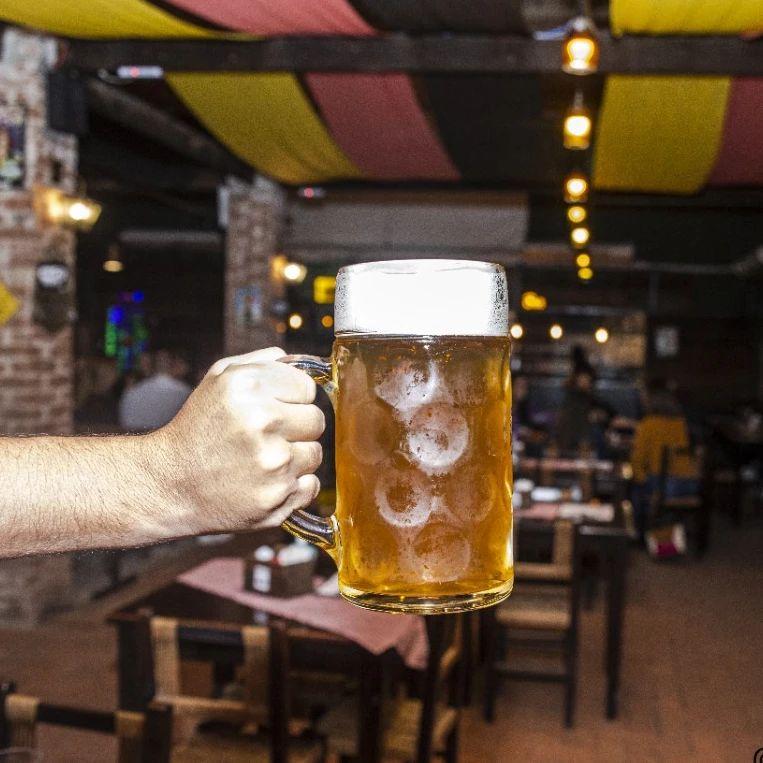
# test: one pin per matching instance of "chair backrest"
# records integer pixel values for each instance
(266, 684)
(20, 716)
(444, 672)
(695, 455)
(560, 568)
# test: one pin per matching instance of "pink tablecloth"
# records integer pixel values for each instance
(375, 631)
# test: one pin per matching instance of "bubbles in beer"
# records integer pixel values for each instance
(437, 436)
(441, 552)
(402, 498)
(409, 385)
(372, 433)
(472, 495)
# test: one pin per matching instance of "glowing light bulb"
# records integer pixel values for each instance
(580, 52)
(327, 321)
(113, 266)
(585, 274)
(576, 188)
(556, 331)
(80, 211)
(576, 214)
(583, 260)
(601, 335)
(295, 321)
(516, 330)
(580, 236)
(294, 272)
(577, 126)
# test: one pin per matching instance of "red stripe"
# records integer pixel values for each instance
(740, 159)
(377, 121)
(265, 18)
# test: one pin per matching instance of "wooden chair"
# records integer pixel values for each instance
(692, 510)
(20, 716)
(540, 614)
(413, 728)
(187, 729)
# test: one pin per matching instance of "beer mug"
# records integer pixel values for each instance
(419, 379)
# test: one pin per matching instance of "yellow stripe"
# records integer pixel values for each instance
(98, 18)
(267, 121)
(659, 133)
(686, 16)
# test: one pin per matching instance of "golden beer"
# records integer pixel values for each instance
(419, 378)
(423, 457)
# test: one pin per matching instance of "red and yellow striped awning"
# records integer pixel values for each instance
(686, 16)
(654, 134)
(659, 133)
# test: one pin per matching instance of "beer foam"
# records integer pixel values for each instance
(422, 297)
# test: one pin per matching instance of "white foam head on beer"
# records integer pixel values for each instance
(422, 298)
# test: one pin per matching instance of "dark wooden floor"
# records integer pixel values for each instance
(692, 678)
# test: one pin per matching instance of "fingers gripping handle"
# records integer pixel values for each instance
(322, 532)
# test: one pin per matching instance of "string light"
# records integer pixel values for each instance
(516, 330)
(585, 274)
(576, 187)
(556, 331)
(576, 214)
(327, 321)
(583, 260)
(295, 321)
(533, 301)
(601, 335)
(579, 236)
(580, 50)
(577, 125)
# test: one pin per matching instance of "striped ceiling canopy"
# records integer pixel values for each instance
(662, 134)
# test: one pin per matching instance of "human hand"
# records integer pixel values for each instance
(242, 451)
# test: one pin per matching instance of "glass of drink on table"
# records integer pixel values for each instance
(419, 379)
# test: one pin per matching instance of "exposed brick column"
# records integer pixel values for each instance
(254, 223)
(36, 367)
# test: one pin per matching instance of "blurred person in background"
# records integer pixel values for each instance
(663, 426)
(524, 425)
(583, 418)
(153, 402)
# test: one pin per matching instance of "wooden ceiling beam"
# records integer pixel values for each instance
(147, 120)
(426, 53)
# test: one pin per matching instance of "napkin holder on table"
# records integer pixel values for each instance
(283, 571)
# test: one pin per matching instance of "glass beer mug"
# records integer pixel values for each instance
(419, 379)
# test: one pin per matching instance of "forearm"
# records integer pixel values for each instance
(66, 493)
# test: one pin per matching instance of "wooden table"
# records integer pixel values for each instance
(209, 632)
(609, 542)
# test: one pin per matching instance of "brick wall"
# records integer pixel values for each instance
(254, 224)
(36, 367)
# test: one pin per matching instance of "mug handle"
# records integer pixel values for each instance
(318, 530)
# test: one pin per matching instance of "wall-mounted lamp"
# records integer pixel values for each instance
(55, 207)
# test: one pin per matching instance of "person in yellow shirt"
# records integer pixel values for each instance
(663, 426)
